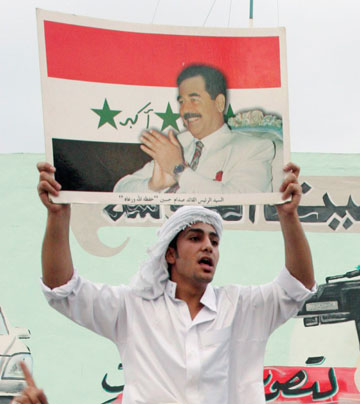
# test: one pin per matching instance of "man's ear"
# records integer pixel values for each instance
(220, 102)
(170, 255)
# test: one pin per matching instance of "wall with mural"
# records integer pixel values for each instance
(314, 358)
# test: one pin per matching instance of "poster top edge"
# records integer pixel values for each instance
(60, 17)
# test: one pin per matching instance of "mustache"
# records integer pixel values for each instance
(189, 115)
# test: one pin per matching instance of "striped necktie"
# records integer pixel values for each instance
(197, 153)
(199, 145)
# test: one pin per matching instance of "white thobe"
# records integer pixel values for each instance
(167, 357)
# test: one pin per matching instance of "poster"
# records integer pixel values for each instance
(125, 104)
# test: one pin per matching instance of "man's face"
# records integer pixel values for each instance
(201, 115)
(195, 259)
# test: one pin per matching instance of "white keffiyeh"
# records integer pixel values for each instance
(153, 274)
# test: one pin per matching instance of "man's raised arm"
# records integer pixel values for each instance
(57, 263)
(297, 251)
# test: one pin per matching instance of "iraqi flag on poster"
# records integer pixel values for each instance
(105, 81)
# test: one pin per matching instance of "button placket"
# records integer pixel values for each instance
(193, 364)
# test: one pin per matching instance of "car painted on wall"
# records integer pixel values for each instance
(12, 351)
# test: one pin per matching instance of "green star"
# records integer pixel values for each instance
(169, 118)
(106, 115)
(229, 113)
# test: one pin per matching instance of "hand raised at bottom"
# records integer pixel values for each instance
(31, 394)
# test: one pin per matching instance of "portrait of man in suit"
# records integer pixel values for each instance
(208, 158)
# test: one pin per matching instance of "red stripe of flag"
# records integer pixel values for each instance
(107, 56)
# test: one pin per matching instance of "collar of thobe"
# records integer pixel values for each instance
(208, 299)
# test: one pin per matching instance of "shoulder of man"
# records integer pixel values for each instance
(245, 142)
(232, 292)
(254, 137)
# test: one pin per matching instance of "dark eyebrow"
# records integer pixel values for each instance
(201, 231)
(189, 95)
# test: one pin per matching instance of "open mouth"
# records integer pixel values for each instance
(206, 263)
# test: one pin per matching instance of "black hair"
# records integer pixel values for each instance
(173, 244)
(215, 82)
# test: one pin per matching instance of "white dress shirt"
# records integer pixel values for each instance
(231, 162)
(215, 358)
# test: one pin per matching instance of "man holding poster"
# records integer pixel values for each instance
(208, 158)
(182, 340)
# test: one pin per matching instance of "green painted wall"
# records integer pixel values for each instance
(70, 362)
